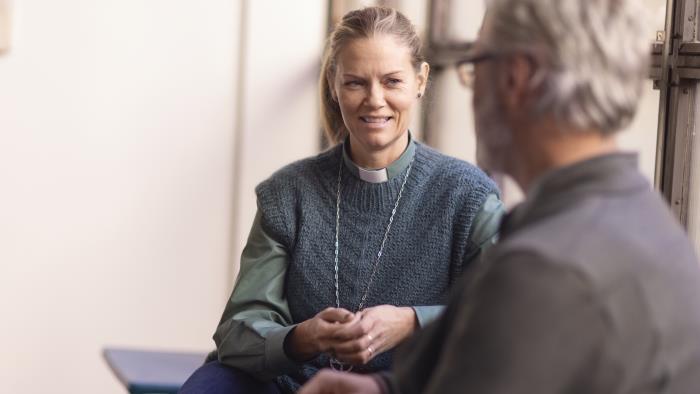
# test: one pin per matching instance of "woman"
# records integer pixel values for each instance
(354, 249)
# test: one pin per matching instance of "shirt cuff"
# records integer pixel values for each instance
(275, 357)
(426, 314)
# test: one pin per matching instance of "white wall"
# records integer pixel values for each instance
(279, 121)
(116, 154)
(640, 137)
(132, 134)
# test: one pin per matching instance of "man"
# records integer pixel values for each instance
(594, 287)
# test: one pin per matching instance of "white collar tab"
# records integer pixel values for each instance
(373, 176)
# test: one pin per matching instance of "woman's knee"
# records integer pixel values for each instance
(216, 378)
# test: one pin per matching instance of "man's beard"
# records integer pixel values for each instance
(493, 135)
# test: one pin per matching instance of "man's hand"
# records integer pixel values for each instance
(334, 382)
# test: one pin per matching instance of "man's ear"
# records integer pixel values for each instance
(517, 81)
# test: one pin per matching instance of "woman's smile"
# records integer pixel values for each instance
(376, 122)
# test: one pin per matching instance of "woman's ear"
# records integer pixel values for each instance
(422, 78)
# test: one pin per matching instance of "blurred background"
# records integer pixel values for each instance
(132, 135)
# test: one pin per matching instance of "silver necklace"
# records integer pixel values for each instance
(334, 363)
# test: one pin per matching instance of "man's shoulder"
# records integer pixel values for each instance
(608, 238)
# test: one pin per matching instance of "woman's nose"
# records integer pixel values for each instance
(375, 96)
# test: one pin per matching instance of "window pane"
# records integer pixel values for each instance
(657, 11)
(641, 135)
(694, 191)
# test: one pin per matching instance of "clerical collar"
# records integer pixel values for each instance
(382, 174)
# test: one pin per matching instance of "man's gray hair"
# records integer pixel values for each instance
(596, 55)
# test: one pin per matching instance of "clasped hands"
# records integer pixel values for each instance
(352, 338)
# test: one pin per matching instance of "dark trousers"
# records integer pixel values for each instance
(216, 378)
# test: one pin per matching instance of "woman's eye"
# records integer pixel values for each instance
(393, 81)
(353, 83)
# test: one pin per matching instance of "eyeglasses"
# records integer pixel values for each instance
(465, 67)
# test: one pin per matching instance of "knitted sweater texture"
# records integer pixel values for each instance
(425, 252)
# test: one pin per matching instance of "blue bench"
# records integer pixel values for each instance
(142, 371)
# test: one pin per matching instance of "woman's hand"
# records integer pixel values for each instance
(377, 330)
(318, 334)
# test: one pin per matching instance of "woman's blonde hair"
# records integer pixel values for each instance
(363, 23)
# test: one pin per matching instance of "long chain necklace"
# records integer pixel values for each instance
(334, 363)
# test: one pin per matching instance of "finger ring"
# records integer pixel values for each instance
(370, 350)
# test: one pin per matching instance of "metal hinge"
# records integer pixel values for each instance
(660, 36)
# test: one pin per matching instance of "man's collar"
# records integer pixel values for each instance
(562, 187)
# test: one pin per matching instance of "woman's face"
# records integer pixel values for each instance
(377, 89)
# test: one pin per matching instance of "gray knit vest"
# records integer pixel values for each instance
(424, 253)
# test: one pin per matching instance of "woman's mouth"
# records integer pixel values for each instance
(375, 121)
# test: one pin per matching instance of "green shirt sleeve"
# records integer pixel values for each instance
(483, 235)
(484, 231)
(256, 320)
